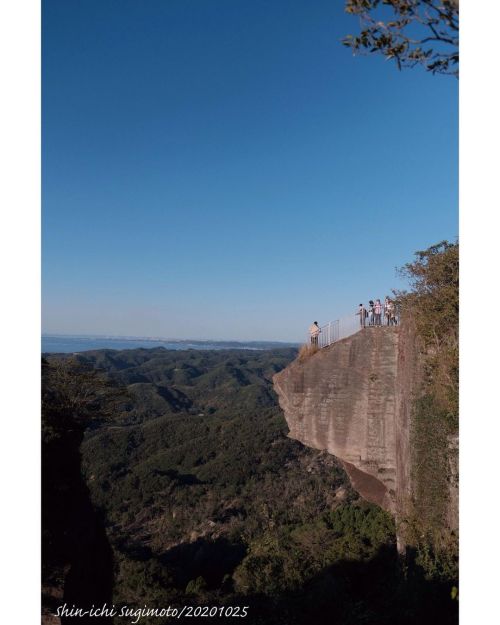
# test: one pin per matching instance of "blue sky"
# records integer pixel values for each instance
(227, 169)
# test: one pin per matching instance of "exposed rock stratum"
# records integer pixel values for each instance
(353, 400)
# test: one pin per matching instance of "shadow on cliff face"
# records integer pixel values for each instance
(76, 555)
(77, 565)
(380, 591)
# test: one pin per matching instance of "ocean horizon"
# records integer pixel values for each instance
(64, 344)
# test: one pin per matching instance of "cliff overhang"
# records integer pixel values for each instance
(352, 399)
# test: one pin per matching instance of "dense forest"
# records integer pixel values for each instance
(168, 479)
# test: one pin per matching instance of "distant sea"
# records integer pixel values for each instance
(71, 344)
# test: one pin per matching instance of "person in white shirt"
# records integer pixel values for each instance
(389, 312)
(314, 331)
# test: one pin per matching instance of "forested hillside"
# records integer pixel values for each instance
(205, 501)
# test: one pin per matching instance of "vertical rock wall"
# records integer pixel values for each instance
(349, 399)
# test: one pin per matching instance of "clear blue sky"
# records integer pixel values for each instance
(227, 169)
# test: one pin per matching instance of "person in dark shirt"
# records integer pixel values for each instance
(362, 315)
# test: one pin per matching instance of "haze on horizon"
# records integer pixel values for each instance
(229, 170)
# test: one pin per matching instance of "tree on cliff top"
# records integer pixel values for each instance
(433, 305)
(430, 311)
(416, 32)
(74, 395)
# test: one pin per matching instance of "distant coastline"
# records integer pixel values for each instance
(59, 343)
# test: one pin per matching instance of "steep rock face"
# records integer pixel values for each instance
(408, 385)
(349, 399)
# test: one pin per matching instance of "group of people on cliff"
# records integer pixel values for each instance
(378, 314)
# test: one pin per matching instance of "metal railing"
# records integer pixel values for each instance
(329, 333)
(334, 331)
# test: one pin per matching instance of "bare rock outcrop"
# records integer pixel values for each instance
(348, 399)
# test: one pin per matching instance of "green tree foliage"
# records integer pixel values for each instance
(284, 559)
(75, 395)
(206, 501)
(196, 586)
(433, 306)
(430, 311)
(411, 32)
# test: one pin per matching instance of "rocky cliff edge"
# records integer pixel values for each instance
(352, 399)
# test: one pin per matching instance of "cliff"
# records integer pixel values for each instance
(353, 400)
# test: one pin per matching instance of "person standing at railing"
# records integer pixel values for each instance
(362, 315)
(314, 331)
(378, 313)
(389, 312)
(371, 313)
